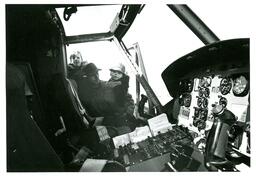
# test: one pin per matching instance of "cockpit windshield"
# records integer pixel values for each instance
(89, 19)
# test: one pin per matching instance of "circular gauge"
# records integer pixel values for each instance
(201, 125)
(240, 86)
(195, 122)
(225, 86)
(206, 92)
(185, 100)
(208, 81)
(203, 91)
(186, 85)
(205, 82)
(200, 92)
(204, 102)
(223, 101)
(190, 85)
(203, 114)
(199, 102)
(201, 82)
(196, 112)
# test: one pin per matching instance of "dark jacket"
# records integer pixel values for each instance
(101, 101)
(75, 72)
(120, 88)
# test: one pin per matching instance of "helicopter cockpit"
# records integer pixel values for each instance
(203, 126)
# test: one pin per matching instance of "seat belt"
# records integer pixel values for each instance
(80, 106)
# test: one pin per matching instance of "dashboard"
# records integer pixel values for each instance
(217, 74)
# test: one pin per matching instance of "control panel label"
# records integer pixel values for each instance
(184, 112)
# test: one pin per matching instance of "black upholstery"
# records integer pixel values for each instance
(27, 147)
(34, 103)
(67, 105)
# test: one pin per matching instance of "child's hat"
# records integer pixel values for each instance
(119, 67)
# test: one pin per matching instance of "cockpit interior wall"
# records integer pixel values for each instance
(33, 38)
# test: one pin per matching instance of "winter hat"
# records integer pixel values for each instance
(90, 69)
(119, 67)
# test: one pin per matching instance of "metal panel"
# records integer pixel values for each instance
(88, 38)
(194, 23)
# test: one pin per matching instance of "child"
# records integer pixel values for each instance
(120, 82)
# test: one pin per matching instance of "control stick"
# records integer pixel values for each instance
(217, 139)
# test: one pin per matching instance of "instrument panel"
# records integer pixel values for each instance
(232, 92)
(174, 142)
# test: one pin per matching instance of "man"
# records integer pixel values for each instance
(76, 65)
(100, 101)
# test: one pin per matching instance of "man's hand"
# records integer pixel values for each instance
(59, 131)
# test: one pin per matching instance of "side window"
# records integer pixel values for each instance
(104, 55)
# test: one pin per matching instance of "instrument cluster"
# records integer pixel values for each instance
(232, 92)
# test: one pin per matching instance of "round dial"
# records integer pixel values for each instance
(195, 122)
(201, 125)
(223, 101)
(196, 112)
(185, 99)
(205, 82)
(225, 86)
(240, 86)
(200, 92)
(199, 101)
(206, 92)
(190, 85)
(203, 114)
(205, 102)
(186, 85)
(203, 91)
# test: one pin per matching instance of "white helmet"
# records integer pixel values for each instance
(119, 67)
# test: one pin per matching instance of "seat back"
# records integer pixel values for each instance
(34, 101)
(27, 147)
(68, 104)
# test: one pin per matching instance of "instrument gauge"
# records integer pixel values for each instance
(223, 101)
(203, 91)
(185, 99)
(225, 86)
(206, 92)
(201, 125)
(200, 92)
(199, 101)
(240, 86)
(195, 122)
(186, 86)
(205, 102)
(205, 82)
(203, 114)
(196, 112)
